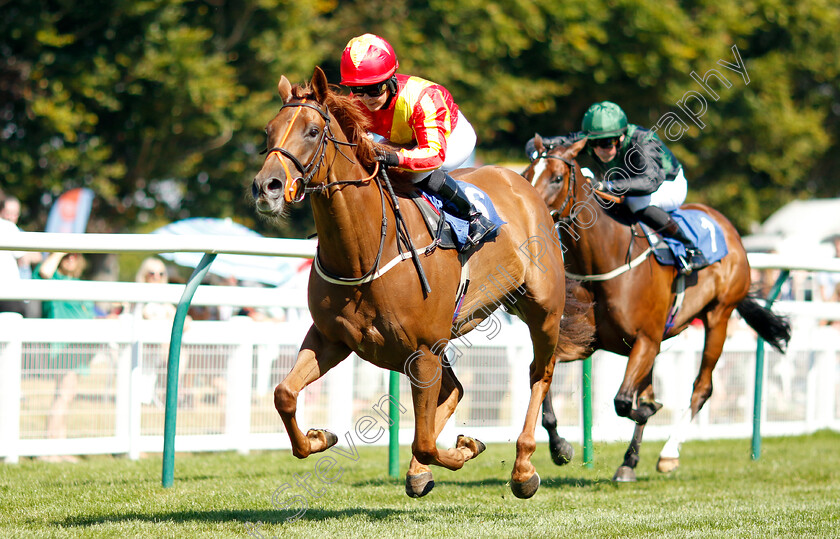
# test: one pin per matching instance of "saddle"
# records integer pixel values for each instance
(448, 231)
(697, 225)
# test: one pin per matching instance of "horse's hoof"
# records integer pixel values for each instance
(667, 464)
(562, 452)
(330, 439)
(417, 486)
(464, 441)
(625, 474)
(527, 488)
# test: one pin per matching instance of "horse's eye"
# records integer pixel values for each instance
(313, 131)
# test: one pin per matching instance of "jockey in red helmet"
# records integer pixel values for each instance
(416, 113)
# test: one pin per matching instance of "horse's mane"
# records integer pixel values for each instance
(350, 117)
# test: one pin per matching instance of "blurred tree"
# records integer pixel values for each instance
(159, 105)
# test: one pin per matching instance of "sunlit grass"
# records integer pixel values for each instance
(793, 490)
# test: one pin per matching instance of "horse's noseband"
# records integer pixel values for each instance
(307, 172)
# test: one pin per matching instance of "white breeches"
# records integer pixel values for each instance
(669, 196)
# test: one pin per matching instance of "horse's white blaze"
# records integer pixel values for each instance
(539, 166)
(672, 446)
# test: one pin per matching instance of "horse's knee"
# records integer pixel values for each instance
(285, 400)
(623, 405)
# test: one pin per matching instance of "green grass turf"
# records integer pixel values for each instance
(792, 491)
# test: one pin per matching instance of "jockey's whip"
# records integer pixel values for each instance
(402, 234)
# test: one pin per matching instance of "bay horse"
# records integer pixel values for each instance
(633, 297)
(317, 145)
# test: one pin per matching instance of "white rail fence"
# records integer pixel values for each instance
(229, 370)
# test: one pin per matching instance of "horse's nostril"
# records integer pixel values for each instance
(275, 185)
(255, 191)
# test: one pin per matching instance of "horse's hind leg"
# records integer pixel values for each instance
(418, 480)
(317, 355)
(635, 399)
(715, 323)
(560, 449)
(626, 473)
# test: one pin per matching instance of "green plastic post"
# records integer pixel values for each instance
(172, 368)
(394, 428)
(759, 371)
(587, 412)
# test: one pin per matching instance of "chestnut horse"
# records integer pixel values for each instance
(634, 297)
(317, 144)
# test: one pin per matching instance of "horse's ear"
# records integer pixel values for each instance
(284, 88)
(538, 143)
(319, 84)
(575, 148)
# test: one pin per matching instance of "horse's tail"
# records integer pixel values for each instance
(576, 328)
(771, 327)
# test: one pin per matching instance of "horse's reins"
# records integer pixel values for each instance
(309, 171)
(630, 264)
(571, 197)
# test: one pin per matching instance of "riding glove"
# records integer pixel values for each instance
(387, 158)
(605, 186)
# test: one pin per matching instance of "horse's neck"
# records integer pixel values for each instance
(597, 243)
(348, 222)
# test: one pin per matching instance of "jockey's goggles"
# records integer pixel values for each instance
(605, 142)
(371, 90)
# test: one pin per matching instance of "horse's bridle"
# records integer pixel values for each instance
(571, 197)
(570, 192)
(308, 172)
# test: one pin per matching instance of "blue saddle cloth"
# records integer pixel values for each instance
(700, 227)
(458, 229)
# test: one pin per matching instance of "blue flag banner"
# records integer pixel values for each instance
(70, 213)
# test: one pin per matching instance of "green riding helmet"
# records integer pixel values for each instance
(604, 120)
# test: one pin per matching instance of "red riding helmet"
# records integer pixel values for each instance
(367, 59)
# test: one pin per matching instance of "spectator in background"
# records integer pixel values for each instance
(12, 262)
(69, 361)
(9, 273)
(152, 270)
(828, 281)
(64, 266)
(10, 211)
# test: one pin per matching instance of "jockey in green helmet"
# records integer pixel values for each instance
(633, 162)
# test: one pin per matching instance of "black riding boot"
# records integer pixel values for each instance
(662, 222)
(444, 185)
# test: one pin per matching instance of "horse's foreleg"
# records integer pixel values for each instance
(427, 375)
(418, 481)
(561, 450)
(316, 356)
(715, 323)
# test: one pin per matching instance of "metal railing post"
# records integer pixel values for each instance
(759, 370)
(172, 368)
